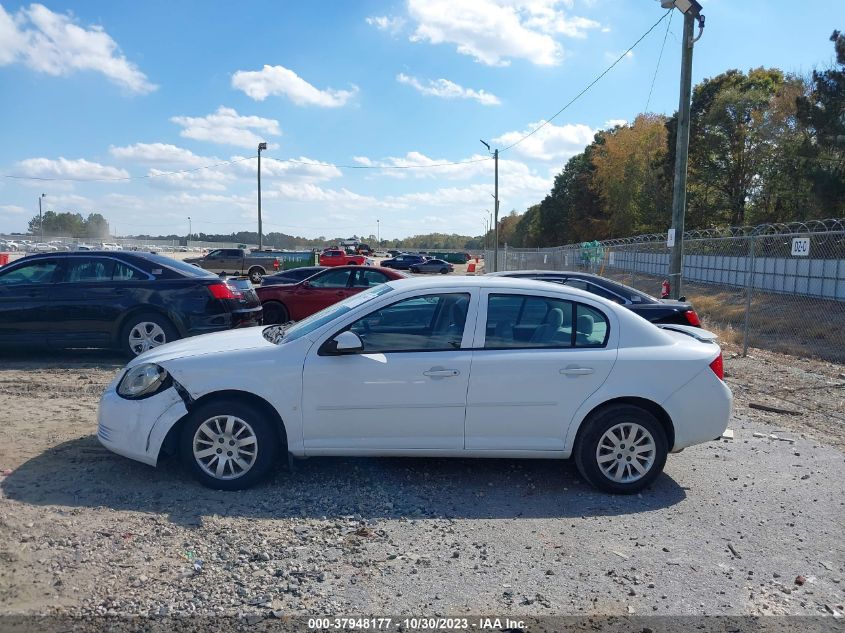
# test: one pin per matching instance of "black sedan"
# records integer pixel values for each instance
(292, 276)
(432, 266)
(651, 309)
(118, 300)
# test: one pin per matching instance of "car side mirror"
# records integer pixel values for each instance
(344, 343)
(305, 284)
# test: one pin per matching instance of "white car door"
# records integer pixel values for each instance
(405, 390)
(532, 369)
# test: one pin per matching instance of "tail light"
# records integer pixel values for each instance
(718, 367)
(692, 318)
(221, 291)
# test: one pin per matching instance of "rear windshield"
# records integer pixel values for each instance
(188, 270)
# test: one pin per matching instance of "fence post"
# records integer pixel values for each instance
(749, 285)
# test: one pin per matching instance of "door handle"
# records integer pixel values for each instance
(441, 373)
(576, 371)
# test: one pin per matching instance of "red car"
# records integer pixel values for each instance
(293, 302)
(336, 257)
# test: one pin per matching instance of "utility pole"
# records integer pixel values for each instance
(188, 241)
(692, 12)
(496, 208)
(261, 146)
(378, 232)
(41, 217)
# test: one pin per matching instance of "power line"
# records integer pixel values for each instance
(659, 58)
(589, 85)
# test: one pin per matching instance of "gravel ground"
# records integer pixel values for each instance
(747, 526)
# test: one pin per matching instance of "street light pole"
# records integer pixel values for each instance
(692, 12)
(496, 208)
(261, 146)
(188, 241)
(41, 217)
(378, 232)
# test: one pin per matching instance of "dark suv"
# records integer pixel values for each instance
(403, 262)
(116, 299)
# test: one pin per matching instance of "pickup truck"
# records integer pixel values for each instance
(236, 261)
(336, 257)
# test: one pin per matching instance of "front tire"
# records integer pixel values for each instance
(228, 444)
(275, 313)
(443, 271)
(256, 273)
(146, 331)
(414, 270)
(622, 449)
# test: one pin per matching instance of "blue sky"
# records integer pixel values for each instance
(128, 93)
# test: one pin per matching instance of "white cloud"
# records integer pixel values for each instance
(281, 81)
(551, 142)
(204, 179)
(310, 192)
(495, 31)
(160, 154)
(227, 127)
(384, 23)
(612, 123)
(446, 89)
(12, 208)
(303, 169)
(52, 43)
(71, 169)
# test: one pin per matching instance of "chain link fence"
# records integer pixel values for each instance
(774, 286)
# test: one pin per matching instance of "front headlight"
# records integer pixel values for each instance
(143, 380)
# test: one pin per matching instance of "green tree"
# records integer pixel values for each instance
(728, 144)
(822, 112)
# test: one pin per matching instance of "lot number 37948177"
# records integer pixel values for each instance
(800, 246)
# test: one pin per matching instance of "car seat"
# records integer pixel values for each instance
(546, 333)
(584, 330)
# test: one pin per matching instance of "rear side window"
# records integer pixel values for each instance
(124, 272)
(524, 321)
(85, 270)
(367, 277)
(332, 279)
(155, 262)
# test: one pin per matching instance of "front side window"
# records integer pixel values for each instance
(40, 272)
(332, 279)
(428, 323)
(525, 321)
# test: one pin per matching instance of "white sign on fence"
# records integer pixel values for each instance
(800, 246)
(670, 238)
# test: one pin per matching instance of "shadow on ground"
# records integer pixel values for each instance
(81, 473)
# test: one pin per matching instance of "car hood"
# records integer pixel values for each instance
(228, 341)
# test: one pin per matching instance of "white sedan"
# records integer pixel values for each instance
(454, 367)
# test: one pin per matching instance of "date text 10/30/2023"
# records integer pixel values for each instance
(413, 624)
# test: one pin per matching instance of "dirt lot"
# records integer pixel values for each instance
(726, 530)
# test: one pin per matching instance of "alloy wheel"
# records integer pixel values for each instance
(225, 447)
(626, 452)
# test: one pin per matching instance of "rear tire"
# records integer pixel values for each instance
(622, 449)
(228, 444)
(414, 270)
(443, 271)
(275, 313)
(146, 331)
(256, 273)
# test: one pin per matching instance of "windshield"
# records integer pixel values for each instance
(281, 334)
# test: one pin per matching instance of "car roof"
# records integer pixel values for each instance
(548, 273)
(483, 281)
(53, 255)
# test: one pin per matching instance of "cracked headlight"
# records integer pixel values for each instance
(143, 380)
